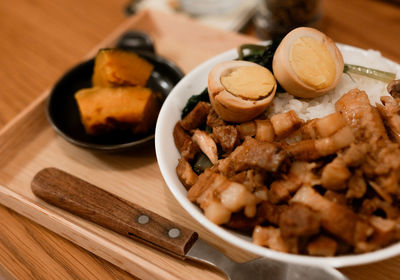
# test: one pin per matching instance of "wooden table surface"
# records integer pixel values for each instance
(41, 39)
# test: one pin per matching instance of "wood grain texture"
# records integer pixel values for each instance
(42, 39)
(85, 200)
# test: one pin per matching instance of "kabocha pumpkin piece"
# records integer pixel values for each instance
(118, 67)
(106, 109)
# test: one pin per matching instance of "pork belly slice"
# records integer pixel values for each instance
(335, 175)
(213, 119)
(300, 174)
(323, 127)
(299, 220)
(264, 130)
(355, 108)
(185, 173)
(285, 124)
(227, 136)
(270, 237)
(335, 218)
(390, 114)
(382, 162)
(257, 154)
(357, 186)
(312, 149)
(197, 117)
(371, 206)
(247, 129)
(252, 179)
(219, 197)
(186, 147)
(271, 212)
(322, 246)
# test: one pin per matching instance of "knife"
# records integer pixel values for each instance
(87, 201)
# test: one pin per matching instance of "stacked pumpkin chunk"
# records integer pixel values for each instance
(118, 98)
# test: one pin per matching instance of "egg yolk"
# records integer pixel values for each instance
(249, 82)
(312, 62)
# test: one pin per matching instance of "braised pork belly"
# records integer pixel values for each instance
(321, 187)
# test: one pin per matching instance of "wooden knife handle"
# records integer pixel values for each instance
(96, 205)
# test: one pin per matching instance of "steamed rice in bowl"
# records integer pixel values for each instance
(306, 109)
(324, 105)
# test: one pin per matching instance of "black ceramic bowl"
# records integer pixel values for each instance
(62, 109)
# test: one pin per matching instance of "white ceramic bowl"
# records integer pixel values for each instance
(167, 156)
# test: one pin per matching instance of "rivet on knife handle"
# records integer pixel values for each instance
(94, 204)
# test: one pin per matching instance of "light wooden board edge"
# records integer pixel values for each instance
(88, 240)
(116, 255)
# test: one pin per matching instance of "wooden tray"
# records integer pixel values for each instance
(28, 144)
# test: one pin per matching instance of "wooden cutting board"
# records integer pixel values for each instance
(28, 144)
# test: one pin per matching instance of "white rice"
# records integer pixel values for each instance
(325, 105)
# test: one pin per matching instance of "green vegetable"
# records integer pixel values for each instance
(262, 55)
(201, 163)
(192, 102)
(369, 72)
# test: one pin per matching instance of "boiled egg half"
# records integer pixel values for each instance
(307, 63)
(240, 90)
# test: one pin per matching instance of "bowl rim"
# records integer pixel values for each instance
(163, 127)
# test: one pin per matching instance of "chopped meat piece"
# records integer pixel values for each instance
(300, 174)
(187, 148)
(370, 206)
(185, 173)
(394, 88)
(308, 130)
(356, 186)
(256, 154)
(384, 231)
(213, 119)
(197, 116)
(281, 190)
(330, 145)
(217, 213)
(206, 144)
(355, 154)
(222, 195)
(335, 197)
(286, 123)
(264, 131)
(390, 114)
(252, 179)
(312, 149)
(271, 212)
(381, 191)
(227, 136)
(269, 237)
(358, 113)
(299, 220)
(239, 221)
(236, 196)
(247, 129)
(329, 125)
(324, 127)
(322, 246)
(303, 150)
(335, 218)
(225, 167)
(382, 161)
(335, 175)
